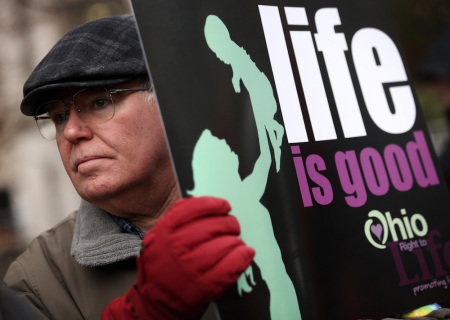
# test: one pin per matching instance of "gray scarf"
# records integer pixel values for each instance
(98, 240)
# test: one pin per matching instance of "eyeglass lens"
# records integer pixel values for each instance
(93, 105)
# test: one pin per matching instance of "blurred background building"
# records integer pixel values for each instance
(35, 192)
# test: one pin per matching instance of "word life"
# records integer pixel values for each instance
(377, 62)
(432, 260)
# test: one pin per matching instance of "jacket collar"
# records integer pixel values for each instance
(98, 240)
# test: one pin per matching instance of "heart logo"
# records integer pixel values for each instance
(377, 230)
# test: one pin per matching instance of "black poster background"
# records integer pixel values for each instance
(337, 273)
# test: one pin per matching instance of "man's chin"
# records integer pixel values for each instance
(97, 195)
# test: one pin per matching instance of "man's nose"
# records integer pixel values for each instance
(75, 127)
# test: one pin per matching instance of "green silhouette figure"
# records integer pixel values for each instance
(215, 172)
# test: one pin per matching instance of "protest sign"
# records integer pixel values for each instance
(303, 115)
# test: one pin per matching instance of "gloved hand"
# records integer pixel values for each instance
(189, 258)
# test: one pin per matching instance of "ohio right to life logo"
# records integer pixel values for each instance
(408, 237)
(380, 228)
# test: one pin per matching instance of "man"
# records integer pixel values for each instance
(92, 95)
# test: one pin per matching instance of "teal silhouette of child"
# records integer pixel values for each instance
(257, 84)
(216, 173)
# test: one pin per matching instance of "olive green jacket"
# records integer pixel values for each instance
(76, 268)
(58, 286)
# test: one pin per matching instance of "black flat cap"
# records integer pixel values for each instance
(102, 52)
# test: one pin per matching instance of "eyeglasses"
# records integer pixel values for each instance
(93, 105)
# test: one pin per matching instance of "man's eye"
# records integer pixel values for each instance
(58, 118)
(100, 103)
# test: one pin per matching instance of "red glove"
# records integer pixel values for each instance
(189, 258)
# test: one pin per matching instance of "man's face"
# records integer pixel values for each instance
(119, 161)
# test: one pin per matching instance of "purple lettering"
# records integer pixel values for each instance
(404, 280)
(302, 181)
(423, 264)
(374, 171)
(421, 162)
(398, 167)
(432, 248)
(351, 179)
(323, 195)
